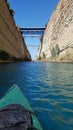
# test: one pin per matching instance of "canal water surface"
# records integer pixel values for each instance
(47, 86)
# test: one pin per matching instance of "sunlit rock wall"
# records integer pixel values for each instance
(57, 44)
(11, 40)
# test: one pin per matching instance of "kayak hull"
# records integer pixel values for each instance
(15, 96)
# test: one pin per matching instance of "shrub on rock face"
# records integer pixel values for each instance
(44, 56)
(39, 58)
(12, 12)
(53, 53)
(4, 55)
(55, 50)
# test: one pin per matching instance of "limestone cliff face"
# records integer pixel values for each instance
(11, 40)
(57, 44)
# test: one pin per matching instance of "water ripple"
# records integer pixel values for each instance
(47, 86)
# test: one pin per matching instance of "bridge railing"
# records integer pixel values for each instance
(33, 31)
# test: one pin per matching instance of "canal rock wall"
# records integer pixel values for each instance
(57, 43)
(12, 45)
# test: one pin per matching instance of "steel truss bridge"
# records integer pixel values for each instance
(32, 31)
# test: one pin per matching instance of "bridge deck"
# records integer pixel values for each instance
(33, 31)
(33, 28)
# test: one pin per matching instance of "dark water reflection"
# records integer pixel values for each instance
(47, 86)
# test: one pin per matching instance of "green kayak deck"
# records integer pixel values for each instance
(15, 96)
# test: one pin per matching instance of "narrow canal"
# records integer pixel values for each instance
(47, 86)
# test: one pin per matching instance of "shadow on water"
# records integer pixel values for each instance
(47, 86)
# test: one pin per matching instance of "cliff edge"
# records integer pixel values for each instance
(12, 45)
(57, 44)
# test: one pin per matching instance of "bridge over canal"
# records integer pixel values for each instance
(32, 31)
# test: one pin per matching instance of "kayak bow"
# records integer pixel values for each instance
(15, 96)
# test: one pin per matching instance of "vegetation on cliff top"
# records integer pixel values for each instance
(10, 9)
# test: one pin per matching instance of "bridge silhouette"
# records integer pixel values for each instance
(32, 31)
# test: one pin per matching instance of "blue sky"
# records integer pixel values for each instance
(32, 13)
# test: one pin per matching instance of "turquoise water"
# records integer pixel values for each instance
(47, 86)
